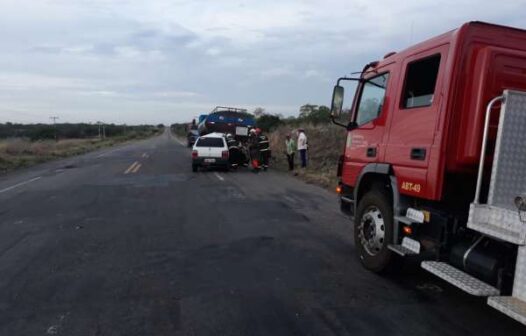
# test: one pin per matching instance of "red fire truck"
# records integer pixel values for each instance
(434, 165)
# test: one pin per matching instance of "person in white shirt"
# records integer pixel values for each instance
(302, 147)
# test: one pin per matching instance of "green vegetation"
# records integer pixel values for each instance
(23, 145)
(309, 114)
(268, 122)
(36, 132)
(179, 129)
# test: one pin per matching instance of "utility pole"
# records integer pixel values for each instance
(100, 134)
(103, 131)
(54, 118)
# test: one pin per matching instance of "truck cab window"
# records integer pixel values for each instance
(372, 99)
(420, 82)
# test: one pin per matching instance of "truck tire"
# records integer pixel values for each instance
(194, 168)
(373, 231)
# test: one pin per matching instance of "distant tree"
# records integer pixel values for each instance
(307, 109)
(42, 132)
(66, 131)
(267, 122)
(258, 112)
(321, 115)
(314, 113)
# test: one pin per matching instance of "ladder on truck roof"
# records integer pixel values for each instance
(503, 217)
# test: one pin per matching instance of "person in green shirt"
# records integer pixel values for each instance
(290, 146)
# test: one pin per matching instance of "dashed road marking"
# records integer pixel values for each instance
(177, 139)
(144, 155)
(136, 169)
(221, 178)
(108, 152)
(130, 168)
(20, 184)
(290, 199)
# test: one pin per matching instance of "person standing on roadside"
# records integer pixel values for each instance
(290, 150)
(302, 147)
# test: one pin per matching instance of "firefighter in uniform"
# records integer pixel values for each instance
(264, 149)
(253, 150)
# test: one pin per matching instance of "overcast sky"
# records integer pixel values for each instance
(147, 61)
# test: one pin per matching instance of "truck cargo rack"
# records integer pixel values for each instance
(228, 109)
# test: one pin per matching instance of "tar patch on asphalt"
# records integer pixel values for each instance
(429, 288)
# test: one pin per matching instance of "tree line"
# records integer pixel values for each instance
(308, 113)
(36, 132)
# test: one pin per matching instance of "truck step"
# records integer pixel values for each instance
(408, 247)
(497, 232)
(460, 279)
(401, 250)
(509, 305)
(497, 222)
(404, 220)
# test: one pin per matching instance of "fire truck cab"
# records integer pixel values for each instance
(434, 166)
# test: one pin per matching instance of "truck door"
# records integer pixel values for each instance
(414, 118)
(364, 143)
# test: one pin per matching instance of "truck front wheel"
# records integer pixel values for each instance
(373, 231)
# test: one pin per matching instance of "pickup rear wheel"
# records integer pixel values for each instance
(373, 231)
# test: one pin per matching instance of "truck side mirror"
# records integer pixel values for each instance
(352, 125)
(337, 101)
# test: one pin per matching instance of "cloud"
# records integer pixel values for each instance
(213, 51)
(275, 72)
(30, 82)
(176, 94)
(169, 60)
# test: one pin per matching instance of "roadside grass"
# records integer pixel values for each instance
(18, 153)
(326, 143)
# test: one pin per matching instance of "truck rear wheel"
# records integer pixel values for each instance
(373, 231)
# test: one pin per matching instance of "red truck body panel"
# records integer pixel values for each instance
(476, 63)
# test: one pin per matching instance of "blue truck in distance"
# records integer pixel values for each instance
(228, 120)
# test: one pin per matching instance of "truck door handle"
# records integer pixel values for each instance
(371, 152)
(418, 154)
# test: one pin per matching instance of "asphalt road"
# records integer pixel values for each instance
(128, 241)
